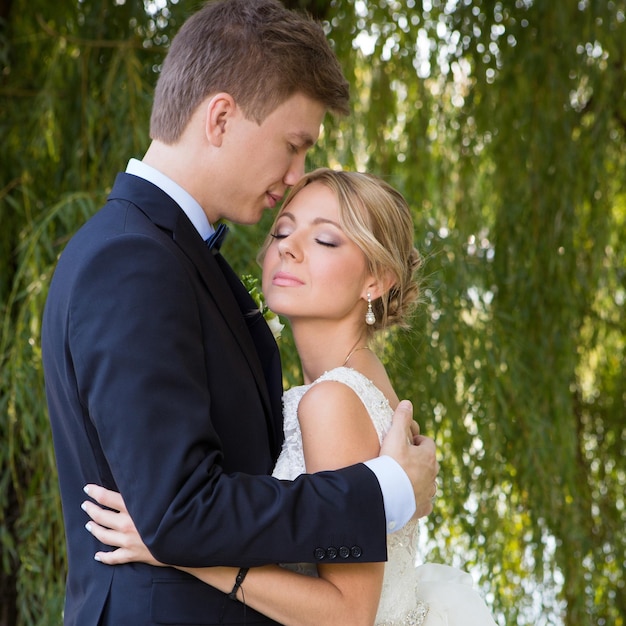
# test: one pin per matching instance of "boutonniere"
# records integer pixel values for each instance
(273, 321)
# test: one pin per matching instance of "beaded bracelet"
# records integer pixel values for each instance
(241, 574)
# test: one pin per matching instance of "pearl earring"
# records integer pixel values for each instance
(370, 318)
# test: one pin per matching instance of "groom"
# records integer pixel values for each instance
(160, 383)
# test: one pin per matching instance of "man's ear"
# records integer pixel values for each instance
(219, 110)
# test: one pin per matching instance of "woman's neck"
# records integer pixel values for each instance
(324, 346)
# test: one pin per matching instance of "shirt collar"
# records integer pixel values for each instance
(187, 203)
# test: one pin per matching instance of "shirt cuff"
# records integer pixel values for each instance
(398, 498)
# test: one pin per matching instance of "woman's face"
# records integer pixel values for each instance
(311, 269)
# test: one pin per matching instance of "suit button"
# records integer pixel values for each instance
(356, 552)
(344, 552)
(331, 552)
(319, 554)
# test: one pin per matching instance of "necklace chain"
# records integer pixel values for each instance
(352, 352)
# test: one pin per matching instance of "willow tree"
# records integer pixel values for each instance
(504, 127)
(75, 94)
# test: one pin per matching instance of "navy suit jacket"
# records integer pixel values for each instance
(162, 384)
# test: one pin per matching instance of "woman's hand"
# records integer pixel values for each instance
(114, 528)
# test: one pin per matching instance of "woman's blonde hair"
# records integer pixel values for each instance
(378, 219)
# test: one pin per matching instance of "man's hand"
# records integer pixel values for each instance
(416, 454)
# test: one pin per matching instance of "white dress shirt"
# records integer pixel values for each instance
(184, 199)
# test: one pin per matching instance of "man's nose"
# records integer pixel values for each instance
(295, 171)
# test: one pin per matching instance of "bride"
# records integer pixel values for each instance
(339, 264)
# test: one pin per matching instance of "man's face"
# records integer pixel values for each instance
(259, 162)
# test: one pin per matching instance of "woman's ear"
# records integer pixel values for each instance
(219, 110)
(377, 288)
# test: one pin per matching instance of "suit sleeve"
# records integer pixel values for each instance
(139, 342)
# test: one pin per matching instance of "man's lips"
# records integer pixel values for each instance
(284, 279)
(273, 199)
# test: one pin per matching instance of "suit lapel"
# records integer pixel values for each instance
(222, 284)
(266, 349)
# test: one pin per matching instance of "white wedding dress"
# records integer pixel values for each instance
(426, 595)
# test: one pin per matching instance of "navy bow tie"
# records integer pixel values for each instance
(216, 238)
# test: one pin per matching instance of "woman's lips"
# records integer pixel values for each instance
(284, 279)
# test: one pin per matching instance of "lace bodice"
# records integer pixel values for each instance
(291, 461)
(399, 605)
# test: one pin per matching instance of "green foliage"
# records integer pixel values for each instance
(503, 124)
(511, 150)
(75, 97)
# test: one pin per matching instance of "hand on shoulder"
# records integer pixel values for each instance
(416, 454)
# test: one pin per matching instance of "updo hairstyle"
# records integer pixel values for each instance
(378, 219)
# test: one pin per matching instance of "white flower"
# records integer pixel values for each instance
(273, 321)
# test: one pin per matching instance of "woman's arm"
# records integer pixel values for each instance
(349, 596)
(337, 431)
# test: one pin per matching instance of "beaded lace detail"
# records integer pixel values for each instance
(415, 617)
(399, 603)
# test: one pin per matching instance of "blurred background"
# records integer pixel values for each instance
(504, 124)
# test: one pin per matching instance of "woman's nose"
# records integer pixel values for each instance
(288, 247)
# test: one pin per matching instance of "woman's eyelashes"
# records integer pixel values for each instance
(283, 228)
(277, 235)
(322, 241)
(327, 243)
(321, 234)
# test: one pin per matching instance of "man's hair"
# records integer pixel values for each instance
(257, 51)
